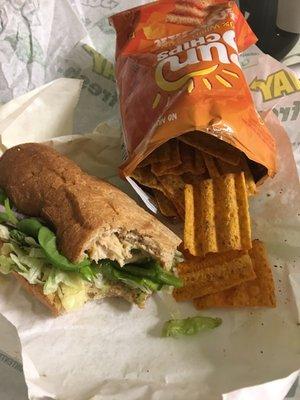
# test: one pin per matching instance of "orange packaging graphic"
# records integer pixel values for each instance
(177, 71)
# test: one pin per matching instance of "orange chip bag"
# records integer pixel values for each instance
(177, 71)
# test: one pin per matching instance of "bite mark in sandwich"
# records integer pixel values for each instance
(82, 238)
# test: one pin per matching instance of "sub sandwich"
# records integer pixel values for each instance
(69, 237)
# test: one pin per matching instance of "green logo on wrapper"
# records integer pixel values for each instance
(101, 65)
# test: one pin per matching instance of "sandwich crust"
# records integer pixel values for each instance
(81, 208)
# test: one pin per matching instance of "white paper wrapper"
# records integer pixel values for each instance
(275, 86)
(12, 381)
(109, 350)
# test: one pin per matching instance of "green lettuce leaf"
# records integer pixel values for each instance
(9, 212)
(8, 215)
(189, 326)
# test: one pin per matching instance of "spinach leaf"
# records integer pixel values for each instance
(30, 227)
(155, 272)
(47, 241)
(113, 273)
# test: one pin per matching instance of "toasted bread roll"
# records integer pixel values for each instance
(90, 216)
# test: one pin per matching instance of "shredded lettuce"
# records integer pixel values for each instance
(4, 233)
(56, 277)
(37, 253)
(72, 297)
(30, 268)
(6, 265)
(19, 260)
(6, 249)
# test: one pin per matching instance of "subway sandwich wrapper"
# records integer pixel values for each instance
(112, 350)
(274, 86)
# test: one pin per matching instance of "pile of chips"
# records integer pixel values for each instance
(188, 159)
(206, 183)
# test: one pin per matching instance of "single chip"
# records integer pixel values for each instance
(211, 145)
(171, 149)
(226, 168)
(187, 161)
(145, 177)
(160, 154)
(211, 165)
(259, 292)
(165, 206)
(212, 274)
(187, 156)
(200, 167)
(217, 216)
(173, 187)
(250, 183)
(193, 264)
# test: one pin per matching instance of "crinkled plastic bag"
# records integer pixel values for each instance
(177, 71)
